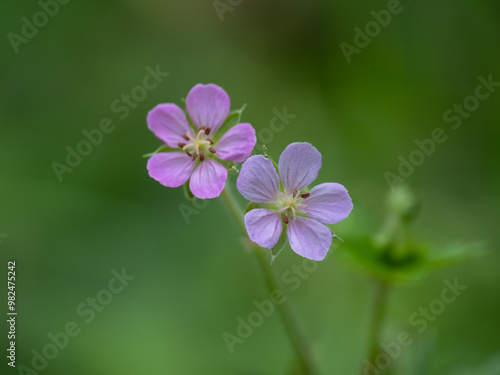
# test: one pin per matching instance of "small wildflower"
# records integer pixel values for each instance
(304, 214)
(199, 153)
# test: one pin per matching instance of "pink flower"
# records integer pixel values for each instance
(303, 213)
(199, 144)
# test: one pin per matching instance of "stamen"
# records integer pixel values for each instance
(285, 219)
(305, 195)
(185, 136)
(294, 192)
(203, 127)
(202, 156)
(210, 141)
(207, 131)
(195, 155)
(187, 152)
(212, 150)
(181, 145)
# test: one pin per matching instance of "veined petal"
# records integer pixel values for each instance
(237, 143)
(169, 123)
(208, 179)
(170, 169)
(258, 181)
(309, 238)
(208, 105)
(299, 166)
(264, 227)
(328, 203)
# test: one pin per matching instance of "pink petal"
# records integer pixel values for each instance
(258, 181)
(171, 169)
(237, 143)
(208, 179)
(329, 203)
(264, 227)
(309, 238)
(168, 122)
(208, 105)
(299, 166)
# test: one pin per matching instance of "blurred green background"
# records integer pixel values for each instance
(192, 281)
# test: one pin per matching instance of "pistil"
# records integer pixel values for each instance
(292, 203)
(196, 145)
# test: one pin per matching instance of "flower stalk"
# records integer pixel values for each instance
(378, 313)
(295, 336)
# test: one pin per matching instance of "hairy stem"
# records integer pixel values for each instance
(292, 328)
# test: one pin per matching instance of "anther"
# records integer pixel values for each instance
(181, 145)
(185, 136)
(210, 141)
(187, 152)
(285, 219)
(207, 131)
(212, 150)
(295, 192)
(305, 195)
(202, 128)
(202, 156)
(195, 155)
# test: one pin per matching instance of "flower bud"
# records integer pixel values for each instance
(403, 202)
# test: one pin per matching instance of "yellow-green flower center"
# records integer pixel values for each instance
(198, 145)
(290, 204)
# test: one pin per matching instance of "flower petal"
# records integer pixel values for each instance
(264, 227)
(299, 166)
(170, 169)
(208, 105)
(168, 122)
(208, 179)
(329, 203)
(258, 181)
(237, 143)
(309, 238)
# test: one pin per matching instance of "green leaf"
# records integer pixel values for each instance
(453, 253)
(280, 245)
(391, 263)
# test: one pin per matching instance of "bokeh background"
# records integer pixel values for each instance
(193, 280)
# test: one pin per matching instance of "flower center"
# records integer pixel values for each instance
(289, 204)
(197, 145)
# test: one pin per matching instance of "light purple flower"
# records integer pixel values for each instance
(304, 213)
(199, 146)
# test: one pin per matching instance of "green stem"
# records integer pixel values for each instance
(379, 309)
(297, 340)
